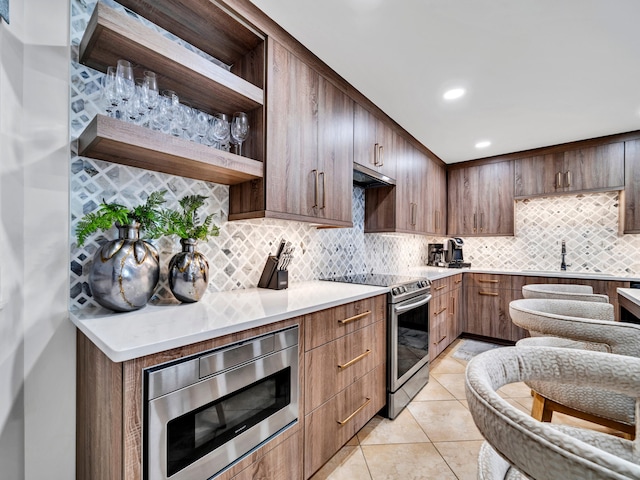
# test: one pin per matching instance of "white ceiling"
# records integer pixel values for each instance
(536, 72)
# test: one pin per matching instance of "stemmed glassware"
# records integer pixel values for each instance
(110, 93)
(239, 130)
(149, 93)
(125, 83)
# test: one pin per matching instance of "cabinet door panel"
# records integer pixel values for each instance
(495, 199)
(462, 201)
(594, 168)
(335, 152)
(632, 187)
(364, 137)
(487, 313)
(335, 365)
(283, 461)
(404, 189)
(292, 134)
(537, 175)
(325, 436)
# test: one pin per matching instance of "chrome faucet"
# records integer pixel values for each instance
(563, 264)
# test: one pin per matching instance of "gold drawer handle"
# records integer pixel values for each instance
(489, 281)
(357, 359)
(355, 317)
(440, 287)
(440, 341)
(491, 294)
(440, 311)
(346, 420)
(457, 281)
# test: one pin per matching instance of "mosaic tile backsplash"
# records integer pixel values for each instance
(588, 223)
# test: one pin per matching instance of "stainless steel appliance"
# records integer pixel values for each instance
(368, 178)
(407, 335)
(436, 255)
(203, 413)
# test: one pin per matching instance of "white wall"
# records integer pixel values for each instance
(37, 341)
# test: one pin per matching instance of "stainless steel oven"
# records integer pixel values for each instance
(204, 413)
(408, 343)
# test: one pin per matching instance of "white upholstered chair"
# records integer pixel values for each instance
(579, 325)
(518, 446)
(563, 292)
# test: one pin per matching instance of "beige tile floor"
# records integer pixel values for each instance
(433, 438)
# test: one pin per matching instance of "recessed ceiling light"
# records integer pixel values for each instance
(454, 93)
(483, 144)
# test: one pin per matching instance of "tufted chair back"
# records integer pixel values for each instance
(563, 292)
(518, 446)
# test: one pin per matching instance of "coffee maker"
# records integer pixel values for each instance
(436, 255)
(453, 254)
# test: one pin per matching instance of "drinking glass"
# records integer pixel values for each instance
(109, 92)
(219, 131)
(149, 93)
(125, 83)
(202, 127)
(187, 120)
(239, 130)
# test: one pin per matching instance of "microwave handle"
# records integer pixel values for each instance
(405, 307)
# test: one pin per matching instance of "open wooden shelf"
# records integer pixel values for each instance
(114, 140)
(112, 35)
(205, 24)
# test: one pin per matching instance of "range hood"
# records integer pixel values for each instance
(368, 178)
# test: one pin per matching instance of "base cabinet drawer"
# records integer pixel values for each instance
(281, 462)
(330, 426)
(335, 365)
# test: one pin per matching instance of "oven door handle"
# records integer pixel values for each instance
(403, 307)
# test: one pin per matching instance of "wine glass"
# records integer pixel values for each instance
(109, 92)
(150, 92)
(219, 131)
(239, 129)
(125, 83)
(202, 126)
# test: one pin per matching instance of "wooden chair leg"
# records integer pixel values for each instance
(540, 410)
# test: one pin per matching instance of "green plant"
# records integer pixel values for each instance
(186, 223)
(148, 215)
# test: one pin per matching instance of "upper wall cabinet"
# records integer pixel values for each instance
(309, 171)
(417, 204)
(598, 168)
(631, 203)
(374, 143)
(204, 83)
(481, 200)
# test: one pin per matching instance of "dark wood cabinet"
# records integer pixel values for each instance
(309, 148)
(374, 142)
(597, 168)
(444, 313)
(631, 198)
(480, 200)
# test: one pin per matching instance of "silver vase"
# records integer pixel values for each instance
(188, 273)
(125, 272)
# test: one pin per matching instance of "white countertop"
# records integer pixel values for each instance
(155, 328)
(434, 273)
(631, 294)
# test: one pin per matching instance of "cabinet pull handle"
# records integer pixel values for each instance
(376, 153)
(568, 176)
(488, 281)
(481, 222)
(354, 318)
(440, 341)
(381, 156)
(354, 360)
(324, 190)
(457, 281)
(439, 288)
(315, 193)
(346, 420)
(475, 222)
(453, 306)
(559, 180)
(440, 311)
(490, 294)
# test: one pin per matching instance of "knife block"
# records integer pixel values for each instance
(272, 277)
